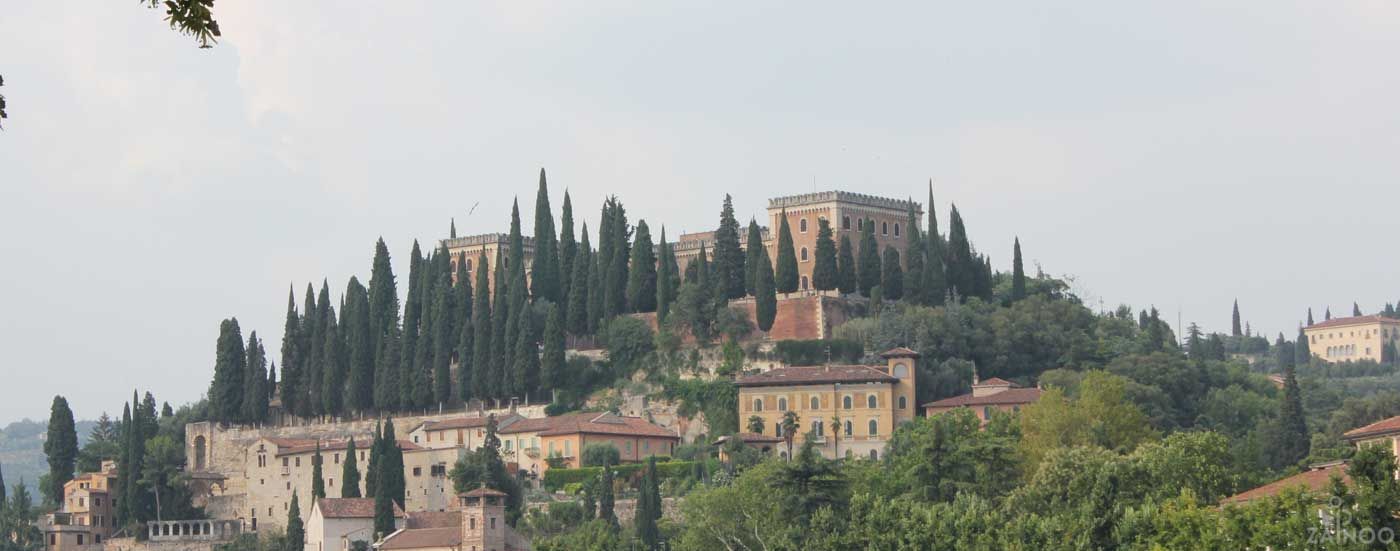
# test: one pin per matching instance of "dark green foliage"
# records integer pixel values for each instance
(628, 341)
(1310, 317)
(226, 392)
(383, 515)
(361, 344)
(868, 268)
(321, 319)
(825, 275)
(350, 472)
(390, 479)
(1018, 273)
(552, 360)
(891, 275)
(413, 312)
(292, 388)
(466, 331)
(527, 357)
(649, 507)
(1355, 309)
(318, 479)
(193, 18)
(255, 397)
(765, 291)
(383, 296)
(753, 242)
(1292, 439)
(728, 257)
(296, 531)
(1235, 329)
(568, 249)
(386, 378)
(376, 456)
(332, 369)
(667, 281)
(785, 275)
(544, 274)
(445, 335)
(614, 255)
(717, 399)
(483, 467)
(307, 402)
(595, 291)
(482, 324)
(577, 313)
(605, 498)
(1283, 352)
(914, 278)
(846, 267)
(600, 454)
(642, 275)
(958, 260)
(61, 448)
(814, 352)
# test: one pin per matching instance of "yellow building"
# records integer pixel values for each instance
(987, 397)
(866, 403)
(529, 443)
(85, 518)
(1352, 339)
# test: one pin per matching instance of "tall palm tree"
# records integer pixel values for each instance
(790, 424)
(836, 436)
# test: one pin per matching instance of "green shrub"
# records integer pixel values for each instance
(813, 351)
(556, 479)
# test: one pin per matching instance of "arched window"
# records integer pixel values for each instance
(782, 404)
(758, 404)
(469, 264)
(874, 455)
(803, 255)
(850, 429)
(870, 401)
(896, 229)
(874, 427)
(802, 225)
(804, 278)
(846, 223)
(901, 370)
(884, 228)
(816, 403)
(903, 402)
(846, 402)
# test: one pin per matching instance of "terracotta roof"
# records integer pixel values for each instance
(289, 446)
(995, 381)
(1354, 320)
(424, 537)
(1314, 481)
(1384, 426)
(350, 507)
(589, 423)
(815, 375)
(1008, 396)
(481, 492)
(748, 437)
(472, 422)
(899, 352)
(434, 519)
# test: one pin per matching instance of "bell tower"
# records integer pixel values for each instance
(901, 363)
(483, 520)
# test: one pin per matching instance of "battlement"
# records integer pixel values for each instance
(805, 199)
(485, 239)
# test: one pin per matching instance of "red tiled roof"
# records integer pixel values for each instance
(899, 352)
(424, 537)
(350, 507)
(1314, 480)
(466, 422)
(994, 381)
(589, 423)
(1005, 397)
(482, 492)
(1384, 426)
(434, 519)
(815, 375)
(291, 446)
(1354, 320)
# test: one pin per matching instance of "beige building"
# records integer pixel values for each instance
(334, 524)
(458, 432)
(1354, 338)
(477, 522)
(470, 248)
(529, 443)
(84, 521)
(986, 398)
(867, 402)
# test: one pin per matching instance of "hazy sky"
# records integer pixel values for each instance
(1178, 154)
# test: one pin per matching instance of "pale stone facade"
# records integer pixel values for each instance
(470, 249)
(1354, 338)
(84, 521)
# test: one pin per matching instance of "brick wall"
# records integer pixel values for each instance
(801, 315)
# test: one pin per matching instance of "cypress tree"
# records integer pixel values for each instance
(226, 392)
(452, 229)
(728, 257)
(552, 362)
(752, 243)
(61, 447)
(291, 379)
(1302, 353)
(568, 249)
(1235, 320)
(1018, 273)
(316, 374)
(846, 267)
(868, 270)
(602, 260)
(578, 310)
(309, 353)
(1310, 318)
(466, 330)
(665, 292)
(350, 472)
(891, 275)
(1293, 429)
(412, 327)
(527, 357)
(318, 479)
(271, 385)
(641, 276)
(544, 276)
(255, 381)
(3, 497)
(935, 280)
(649, 507)
(1355, 309)
(391, 469)
(595, 289)
(361, 342)
(615, 278)
(1327, 314)
(383, 296)
(376, 456)
(296, 532)
(445, 335)
(124, 467)
(481, 332)
(914, 260)
(1283, 351)
(421, 384)
(960, 265)
(500, 312)
(383, 515)
(386, 377)
(825, 275)
(332, 371)
(512, 376)
(605, 497)
(765, 292)
(785, 276)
